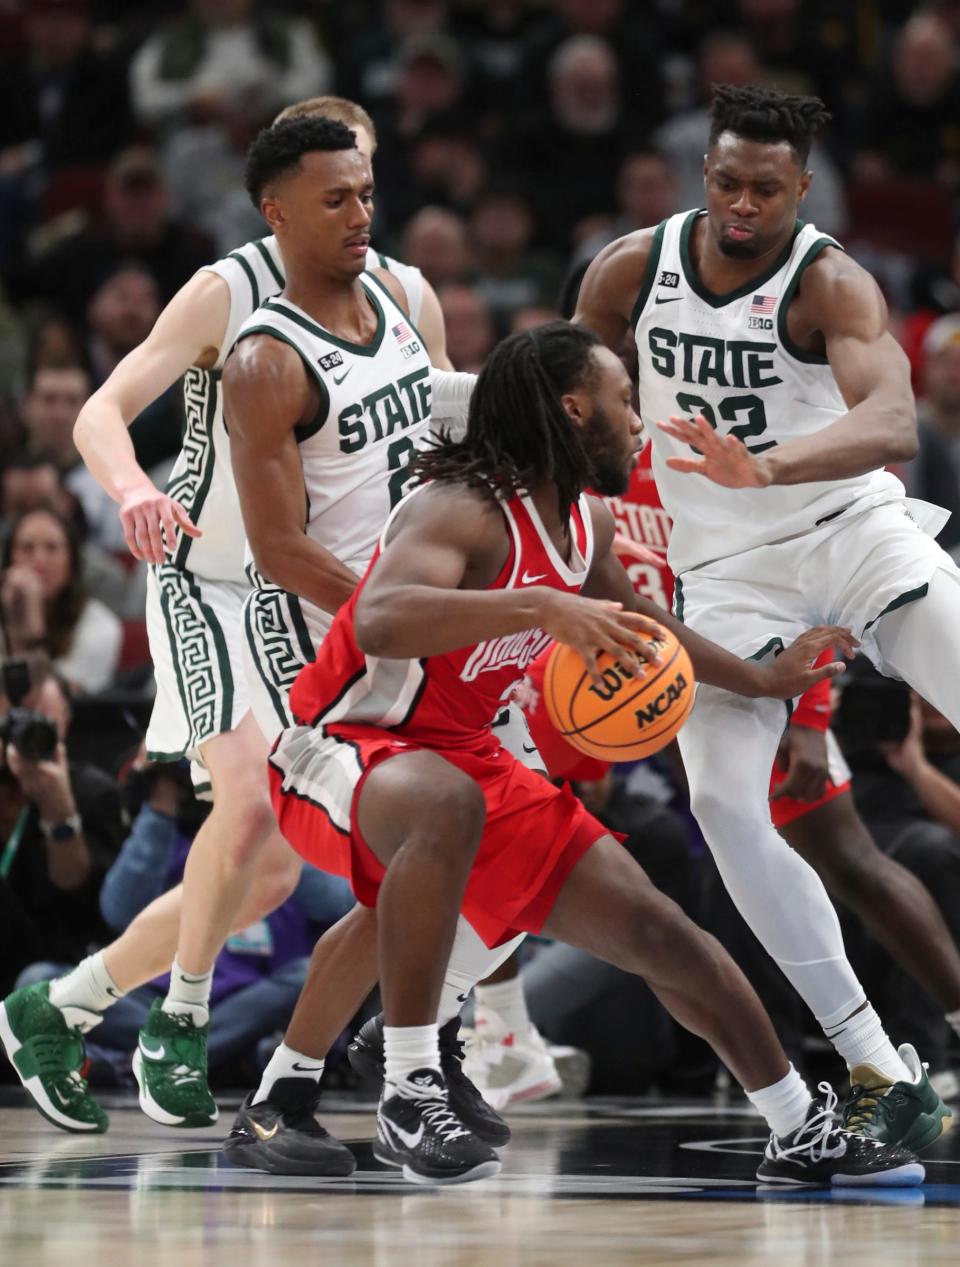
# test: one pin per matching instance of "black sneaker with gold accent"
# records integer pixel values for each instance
(282, 1136)
(907, 1113)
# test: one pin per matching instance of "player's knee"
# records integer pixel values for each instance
(248, 823)
(720, 809)
(457, 812)
(277, 876)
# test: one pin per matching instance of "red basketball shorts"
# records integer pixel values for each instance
(786, 809)
(534, 833)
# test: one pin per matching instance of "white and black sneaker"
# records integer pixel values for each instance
(821, 1154)
(419, 1132)
(282, 1136)
(365, 1054)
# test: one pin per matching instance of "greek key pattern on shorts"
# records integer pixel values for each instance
(189, 485)
(195, 660)
(274, 645)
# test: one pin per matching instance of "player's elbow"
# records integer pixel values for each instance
(373, 627)
(903, 443)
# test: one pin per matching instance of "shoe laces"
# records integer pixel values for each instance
(863, 1107)
(813, 1138)
(435, 1109)
(59, 1056)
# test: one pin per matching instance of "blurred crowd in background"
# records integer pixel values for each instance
(516, 138)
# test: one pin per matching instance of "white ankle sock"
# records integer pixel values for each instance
(407, 1048)
(286, 1063)
(89, 986)
(507, 999)
(784, 1104)
(189, 993)
(861, 1040)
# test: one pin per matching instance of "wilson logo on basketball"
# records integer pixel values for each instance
(615, 676)
(662, 703)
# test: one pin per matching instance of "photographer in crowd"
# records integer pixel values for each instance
(61, 825)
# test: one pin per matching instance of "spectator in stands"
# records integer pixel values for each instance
(135, 227)
(50, 407)
(63, 824)
(368, 67)
(571, 150)
(55, 342)
(62, 104)
(530, 318)
(46, 607)
(447, 166)
(510, 273)
(471, 332)
(934, 474)
(647, 193)
(223, 58)
(436, 242)
(909, 122)
(32, 482)
(729, 58)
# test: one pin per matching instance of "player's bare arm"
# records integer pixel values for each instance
(787, 676)
(611, 285)
(432, 328)
(266, 396)
(839, 312)
(425, 596)
(188, 332)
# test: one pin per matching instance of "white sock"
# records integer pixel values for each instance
(286, 1063)
(784, 1104)
(507, 999)
(953, 1020)
(189, 994)
(407, 1048)
(88, 988)
(862, 1040)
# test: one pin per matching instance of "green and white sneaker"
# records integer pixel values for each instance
(48, 1055)
(170, 1066)
(910, 1114)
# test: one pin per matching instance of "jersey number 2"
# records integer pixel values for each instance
(730, 408)
(399, 455)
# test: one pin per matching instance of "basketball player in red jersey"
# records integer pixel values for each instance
(393, 777)
(810, 799)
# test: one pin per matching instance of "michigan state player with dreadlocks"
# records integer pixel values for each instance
(765, 359)
(393, 775)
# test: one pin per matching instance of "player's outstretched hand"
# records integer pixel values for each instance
(633, 549)
(148, 516)
(592, 625)
(791, 672)
(724, 459)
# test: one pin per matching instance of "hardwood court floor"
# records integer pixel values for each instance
(595, 1183)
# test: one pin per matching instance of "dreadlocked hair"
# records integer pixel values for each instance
(761, 115)
(518, 433)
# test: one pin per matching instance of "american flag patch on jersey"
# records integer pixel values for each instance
(763, 304)
(402, 332)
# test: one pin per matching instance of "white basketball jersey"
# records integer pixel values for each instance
(731, 358)
(374, 413)
(202, 477)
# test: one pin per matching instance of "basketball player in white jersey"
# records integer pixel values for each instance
(192, 535)
(767, 349)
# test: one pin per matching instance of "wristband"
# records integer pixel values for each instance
(64, 830)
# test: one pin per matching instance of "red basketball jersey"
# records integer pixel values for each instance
(444, 700)
(640, 517)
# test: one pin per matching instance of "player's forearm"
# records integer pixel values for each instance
(867, 438)
(104, 443)
(409, 621)
(302, 567)
(712, 664)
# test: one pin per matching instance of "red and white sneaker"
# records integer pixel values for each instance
(508, 1068)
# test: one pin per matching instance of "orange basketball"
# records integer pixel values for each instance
(625, 718)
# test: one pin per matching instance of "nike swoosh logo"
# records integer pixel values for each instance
(532, 748)
(461, 998)
(405, 1137)
(527, 579)
(64, 1102)
(265, 1134)
(670, 299)
(307, 1068)
(194, 980)
(152, 1055)
(339, 380)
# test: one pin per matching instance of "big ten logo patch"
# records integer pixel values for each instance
(409, 349)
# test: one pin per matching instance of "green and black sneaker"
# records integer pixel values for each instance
(910, 1114)
(170, 1066)
(48, 1055)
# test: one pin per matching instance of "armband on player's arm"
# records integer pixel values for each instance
(451, 400)
(813, 710)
